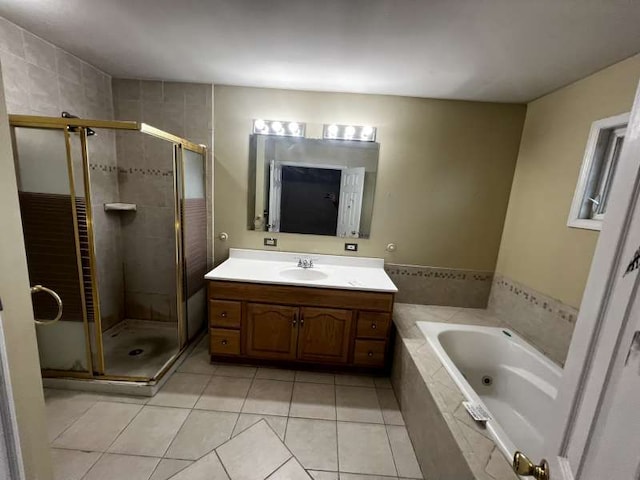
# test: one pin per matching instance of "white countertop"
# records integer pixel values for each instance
(280, 268)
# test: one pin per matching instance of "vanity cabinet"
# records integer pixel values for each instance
(306, 325)
(324, 334)
(272, 331)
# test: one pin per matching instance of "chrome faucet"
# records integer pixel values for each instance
(306, 262)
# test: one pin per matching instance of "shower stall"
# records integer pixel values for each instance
(115, 225)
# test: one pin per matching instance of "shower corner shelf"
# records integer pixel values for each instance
(120, 207)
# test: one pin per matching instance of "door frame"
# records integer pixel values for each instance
(602, 319)
(10, 440)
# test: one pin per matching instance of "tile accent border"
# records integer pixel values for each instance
(543, 321)
(447, 441)
(103, 167)
(99, 167)
(419, 284)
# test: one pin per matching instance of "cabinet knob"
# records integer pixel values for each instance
(223, 314)
(224, 342)
(374, 326)
(370, 354)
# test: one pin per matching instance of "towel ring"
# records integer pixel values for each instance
(56, 297)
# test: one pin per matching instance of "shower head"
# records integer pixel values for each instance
(90, 131)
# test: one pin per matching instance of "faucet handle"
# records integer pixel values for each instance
(305, 262)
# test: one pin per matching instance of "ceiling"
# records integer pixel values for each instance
(488, 50)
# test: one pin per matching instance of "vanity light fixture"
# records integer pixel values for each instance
(363, 133)
(277, 127)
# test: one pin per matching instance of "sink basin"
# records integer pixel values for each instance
(303, 274)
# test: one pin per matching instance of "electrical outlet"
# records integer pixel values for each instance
(351, 247)
(270, 242)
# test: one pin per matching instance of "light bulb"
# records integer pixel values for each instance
(333, 130)
(349, 131)
(294, 128)
(276, 127)
(259, 124)
(367, 131)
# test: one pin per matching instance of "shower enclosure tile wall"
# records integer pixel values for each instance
(42, 79)
(108, 242)
(136, 254)
(144, 176)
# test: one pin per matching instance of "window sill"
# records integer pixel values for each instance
(584, 223)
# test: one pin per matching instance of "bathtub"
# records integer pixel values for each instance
(496, 368)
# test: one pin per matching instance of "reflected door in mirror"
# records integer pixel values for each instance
(312, 186)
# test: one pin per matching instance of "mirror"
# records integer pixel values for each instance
(313, 186)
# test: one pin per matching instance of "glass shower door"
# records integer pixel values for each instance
(53, 210)
(194, 240)
(135, 217)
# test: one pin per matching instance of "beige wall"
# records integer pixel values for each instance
(444, 174)
(22, 350)
(538, 249)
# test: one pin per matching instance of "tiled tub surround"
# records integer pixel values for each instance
(424, 285)
(543, 321)
(449, 444)
(224, 422)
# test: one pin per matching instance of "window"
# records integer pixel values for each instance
(598, 171)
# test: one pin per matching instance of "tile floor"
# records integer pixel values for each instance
(225, 422)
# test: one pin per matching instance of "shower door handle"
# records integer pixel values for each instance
(56, 297)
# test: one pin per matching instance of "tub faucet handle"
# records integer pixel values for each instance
(525, 467)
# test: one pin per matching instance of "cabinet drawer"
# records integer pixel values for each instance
(224, 342)
(369, 353)
(373, 324)
(224, 314)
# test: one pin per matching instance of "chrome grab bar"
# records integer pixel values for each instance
(56, 297)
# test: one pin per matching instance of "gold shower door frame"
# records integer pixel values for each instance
(97, 371)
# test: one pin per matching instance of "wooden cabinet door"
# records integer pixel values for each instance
(272, 331)
(324, 334)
